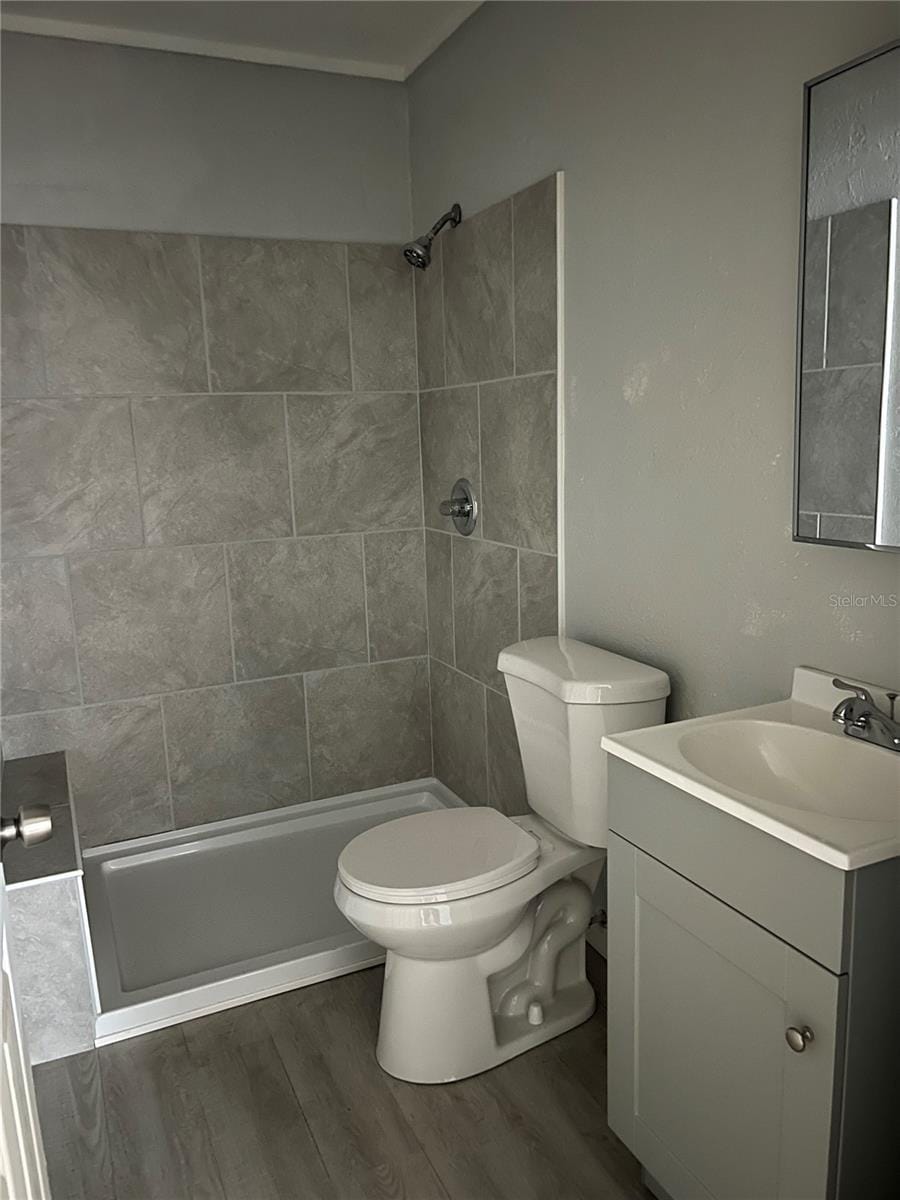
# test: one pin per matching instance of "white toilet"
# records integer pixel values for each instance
(483, 916)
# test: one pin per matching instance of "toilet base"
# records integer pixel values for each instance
(438, 1024)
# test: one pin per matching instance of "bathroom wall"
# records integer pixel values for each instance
(112, 137)
(486, 313)
(213, 576)
(679, 129)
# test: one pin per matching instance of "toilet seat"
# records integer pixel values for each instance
(447, 854)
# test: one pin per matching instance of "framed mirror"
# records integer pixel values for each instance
(847, 425)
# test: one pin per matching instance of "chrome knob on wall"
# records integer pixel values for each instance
(462, 507)
(798, 1039)
(31, 825)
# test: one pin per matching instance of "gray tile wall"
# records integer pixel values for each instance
(486, 332)
(214, 564)
(842, 353)
(51, 967)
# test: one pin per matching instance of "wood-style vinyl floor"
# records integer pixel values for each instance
(283, 1100)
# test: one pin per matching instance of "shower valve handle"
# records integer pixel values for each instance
(462, 507)
(455, 508)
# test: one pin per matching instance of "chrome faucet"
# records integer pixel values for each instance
(862, 718)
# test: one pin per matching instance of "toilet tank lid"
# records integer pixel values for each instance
(581, 674)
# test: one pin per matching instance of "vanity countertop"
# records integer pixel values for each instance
(772, 767)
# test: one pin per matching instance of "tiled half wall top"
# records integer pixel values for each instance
(214, 585)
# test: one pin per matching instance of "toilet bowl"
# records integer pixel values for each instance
(483, 916)
(452, 1006)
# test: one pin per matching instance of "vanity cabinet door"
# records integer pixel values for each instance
(703, 1086)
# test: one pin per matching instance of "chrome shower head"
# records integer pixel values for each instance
(418, 253)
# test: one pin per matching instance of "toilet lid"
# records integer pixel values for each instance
(434, 856)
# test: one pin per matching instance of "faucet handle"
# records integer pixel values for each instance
(860, 692)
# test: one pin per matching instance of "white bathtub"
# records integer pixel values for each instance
(186, 923)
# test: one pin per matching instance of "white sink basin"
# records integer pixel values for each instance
(796, 767)
(785, 768)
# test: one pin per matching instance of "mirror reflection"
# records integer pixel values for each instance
(848, 407)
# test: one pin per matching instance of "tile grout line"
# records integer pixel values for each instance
(419, 405)
(449, 387)
(309, 770)
(209, 687)
(471, 678)
(290, 469)
(228, 607)
(428, 638)
(827, 294)
(427, 599)
(488, 541)
(487, 754)
(443, 316)
(559, 288)
(430, 711)
(137, 473)
(362, 544)
(824, 512)
(301, 537)
(512, 280)
(452, 606)
(38, 308)
(480, 483)
(841, 367)
(349, 316)
(199, 255)
(165, 742)
(519, 593)
(74, 396)
(67, 569)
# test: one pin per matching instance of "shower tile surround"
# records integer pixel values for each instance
(843, 346)
(215, 459)
(486, 331)
(214, 560)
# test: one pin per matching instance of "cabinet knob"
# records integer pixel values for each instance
(798, 1039)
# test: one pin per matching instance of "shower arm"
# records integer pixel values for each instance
(453, 216)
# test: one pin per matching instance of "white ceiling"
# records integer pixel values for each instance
(381, 39)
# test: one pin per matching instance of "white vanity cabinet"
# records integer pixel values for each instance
(721, 940)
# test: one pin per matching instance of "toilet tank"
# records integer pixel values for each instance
(565, 696)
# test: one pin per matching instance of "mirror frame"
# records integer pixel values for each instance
(804, 185)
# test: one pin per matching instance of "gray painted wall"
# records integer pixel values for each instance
(678, 127)
(112, 137)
